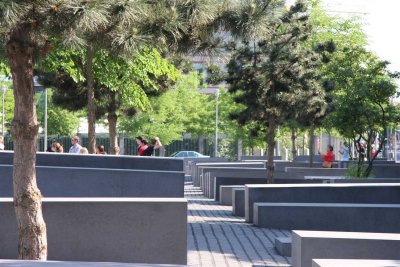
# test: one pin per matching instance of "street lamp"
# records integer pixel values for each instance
(3, 93)
(216, 122)
(38, 88)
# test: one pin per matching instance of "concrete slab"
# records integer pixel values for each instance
(225, 192)
(100, 161)
(24, 263)
(130, 230)
(355, 263)
(238, 202)
(309, 245)
(377, 193)
(284, 246)
(329, 216)
(99, 182)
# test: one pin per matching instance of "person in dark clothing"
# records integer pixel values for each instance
(142, 143)
(155, 144)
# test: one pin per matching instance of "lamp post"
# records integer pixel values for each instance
(3, 93)
(38, 88)
(216, 122)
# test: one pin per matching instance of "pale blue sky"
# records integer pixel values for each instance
(380, 19)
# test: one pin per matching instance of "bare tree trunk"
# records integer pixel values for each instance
(91, 100)
(32, 239)
(294, 151)
(271, 149)
(112, 124)
(112, 129)
(311, 145)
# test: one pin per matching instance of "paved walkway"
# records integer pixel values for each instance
(216, 238)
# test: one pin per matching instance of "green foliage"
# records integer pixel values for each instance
(130, 81)
(252, 134)
(180, 110)
(357, 171)
(59, 121)
(278, 75)
(363, 107)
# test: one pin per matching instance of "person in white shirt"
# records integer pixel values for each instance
(76, 147)
(1, 142)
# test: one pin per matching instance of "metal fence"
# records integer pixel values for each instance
(129, 144)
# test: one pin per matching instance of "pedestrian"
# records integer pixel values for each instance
(1, 142)
(361, 152)
(76, 147)
(328, 157)
(154, 145)
(100, 150)
(83, 150)
(345, 152)
(57, 147)
(142, 143)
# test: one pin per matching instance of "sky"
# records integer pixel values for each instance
(380, 19)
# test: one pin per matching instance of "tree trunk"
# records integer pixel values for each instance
(32, 239)
(294, 151)
(112, 129)
(112, 124)
(91, 101)
(311, 145)
(271, 149)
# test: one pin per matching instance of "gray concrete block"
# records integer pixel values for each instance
(280, 166)
(199, 167)
(306, 158)
(100, 161)
(133, 230)
(238, 181)
(209, 173)
(284, 246)
(272, 265)
(100, 182)
(355, 263)
(27, 263)
(193, 170)
(307, 171)
(238, 202)
(385, 193)
(226, 194)
(386, 170)
(309, 245)
(259, 158)
(329, 216)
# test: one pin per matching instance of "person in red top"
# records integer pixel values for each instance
(142, 143)
(328, 158)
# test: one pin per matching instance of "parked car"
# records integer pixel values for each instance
(188, 154)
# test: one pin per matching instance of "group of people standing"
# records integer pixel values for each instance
(76, 148)
(145, 148)
(329, 157)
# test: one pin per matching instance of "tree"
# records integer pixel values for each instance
(121, 85)
(346, 33)
(363, 107)
(59, 121)
(277, 75)
(27, 29)
(180, 110)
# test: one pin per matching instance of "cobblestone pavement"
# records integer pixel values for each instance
(216, 238)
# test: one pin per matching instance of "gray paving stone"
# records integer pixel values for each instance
(219, 239)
